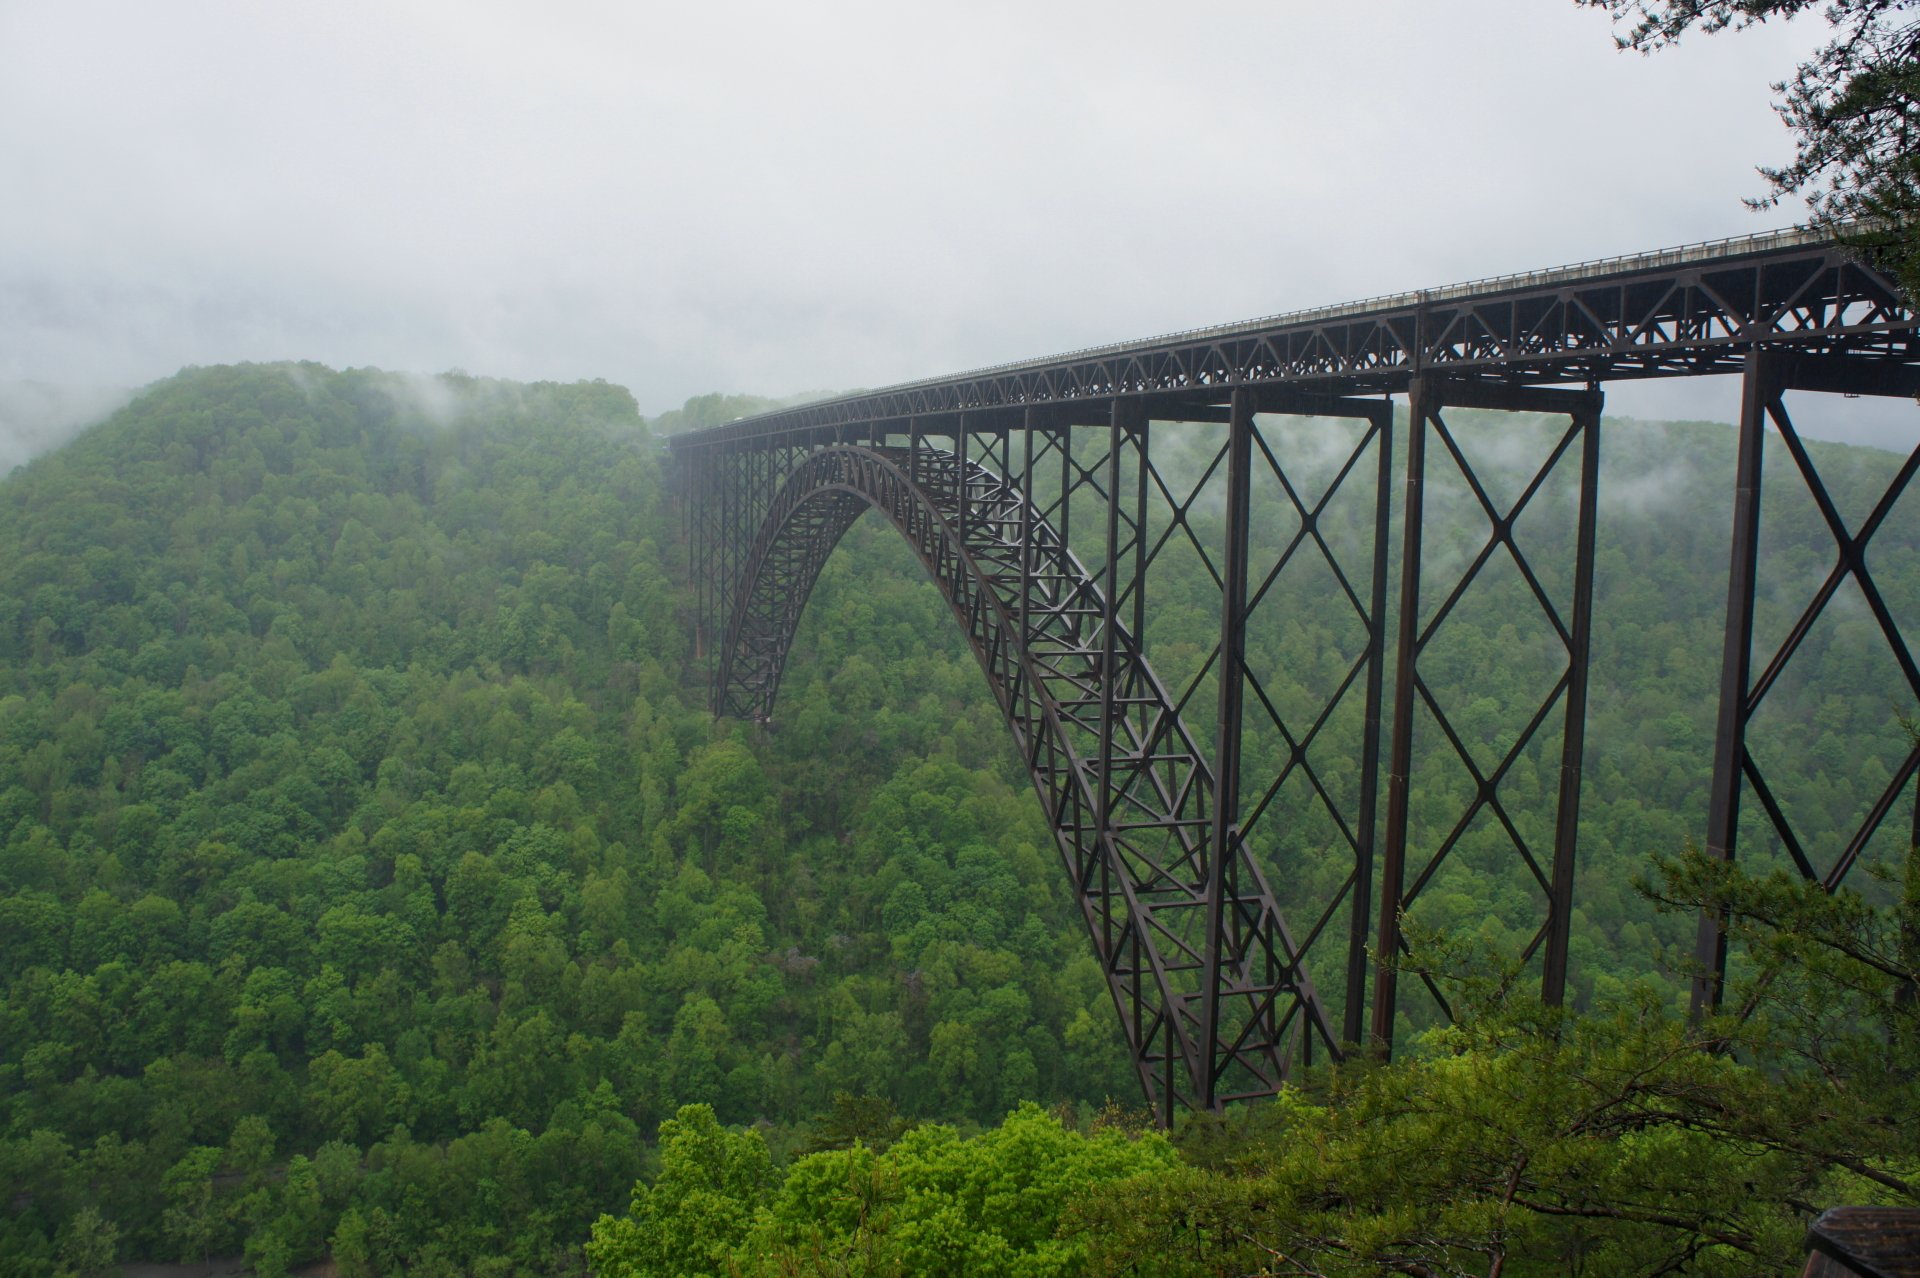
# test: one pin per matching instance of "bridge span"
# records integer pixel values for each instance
(1036, 496)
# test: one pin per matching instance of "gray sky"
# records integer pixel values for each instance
(774, 197)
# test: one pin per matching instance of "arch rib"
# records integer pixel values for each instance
(1142, 880)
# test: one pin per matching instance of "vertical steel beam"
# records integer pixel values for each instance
(1028, 420)
(710, 556)
(1066, 484)
(962, 450)
(715, 558)
(1759, 388)
(1108, 661)
(1225, 832)
(1553, 977)
(1141, 427)
(1908, 995)
(693, 501)
(689, 488)
(1393, 863)
(1109, 640)
(1353, 1027)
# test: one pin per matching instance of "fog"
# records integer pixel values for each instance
(756, 197)
(36, 417)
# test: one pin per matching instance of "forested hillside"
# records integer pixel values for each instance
(374, 881)
(371, 872)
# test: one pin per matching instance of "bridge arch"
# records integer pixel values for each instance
(1186, 945)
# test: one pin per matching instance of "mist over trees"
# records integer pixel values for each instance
(375, 884)
(36, 417)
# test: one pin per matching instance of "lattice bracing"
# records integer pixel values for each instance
(1061, 486)
(1124, 786)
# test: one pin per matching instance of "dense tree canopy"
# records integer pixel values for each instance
(372, 877)
(374, 883)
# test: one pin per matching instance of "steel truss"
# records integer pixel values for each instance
(1032, 496)
(1194, 948)
(1572, 629)
(1658, 315)
(1767, 377)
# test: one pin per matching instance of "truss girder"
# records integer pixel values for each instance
(1666, 319)
(1568, 621)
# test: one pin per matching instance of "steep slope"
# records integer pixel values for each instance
(369, 873)
(371, 876)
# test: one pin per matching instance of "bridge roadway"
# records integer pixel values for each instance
(1679, 312)
(1165, 836)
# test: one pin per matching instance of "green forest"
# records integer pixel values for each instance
(375, 886)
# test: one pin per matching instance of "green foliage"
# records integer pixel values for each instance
(696, 1211)
(298, 813)
(374, 882)
(934, 1202)
(361, 822)
(193, 1219)
(1529, 1141)
(86, 1245)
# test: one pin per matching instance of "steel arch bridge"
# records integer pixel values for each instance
(1031, 494)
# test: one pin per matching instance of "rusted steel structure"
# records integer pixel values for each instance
(1031, 493)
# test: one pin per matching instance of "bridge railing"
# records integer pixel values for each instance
(1684, 311)
(1592, 268)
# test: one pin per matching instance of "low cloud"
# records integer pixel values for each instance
(759, 197)
(37, 417)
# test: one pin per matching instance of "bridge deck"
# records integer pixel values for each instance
(1676, 312)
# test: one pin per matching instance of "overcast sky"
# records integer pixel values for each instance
(772, 198)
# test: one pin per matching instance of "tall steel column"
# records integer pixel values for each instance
(1253, 807)
(1573, 740)
(1358, 824)
(962, 448)
(1226, 752)
(1767, 377)
(1366, 850)
(1759, 387)
(1029, 423)
(1393, 860)
(1398, 892)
